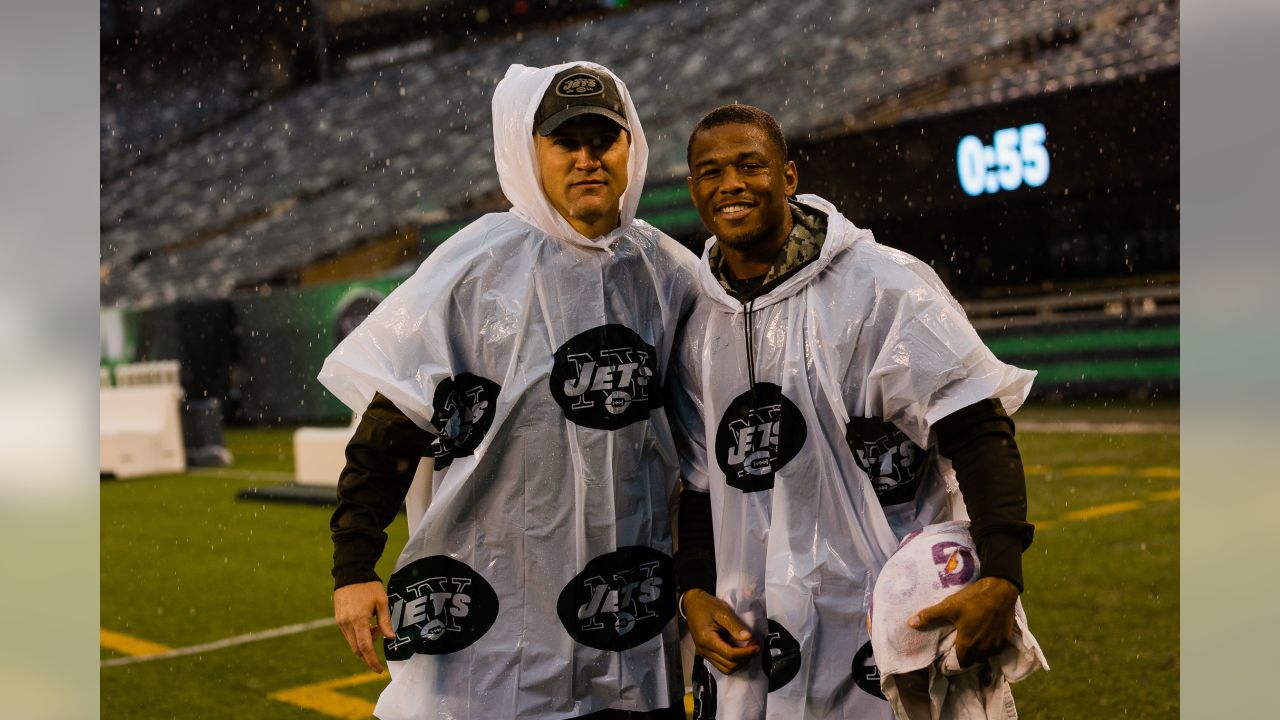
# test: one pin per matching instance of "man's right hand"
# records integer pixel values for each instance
(356, 607)
(718, 633)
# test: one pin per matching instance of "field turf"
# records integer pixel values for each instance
(185, 564)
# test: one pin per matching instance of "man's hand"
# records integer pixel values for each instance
(718, 633)
(982, 615)
(354, 607)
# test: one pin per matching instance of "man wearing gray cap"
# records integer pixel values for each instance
(525, 361)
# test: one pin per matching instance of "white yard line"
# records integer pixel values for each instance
(243, 474)
(223, 643)
(1085, 426)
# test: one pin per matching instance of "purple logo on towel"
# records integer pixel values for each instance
(957, 563)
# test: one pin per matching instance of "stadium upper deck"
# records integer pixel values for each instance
(334, 166)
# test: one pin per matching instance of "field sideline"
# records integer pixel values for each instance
(218, 608)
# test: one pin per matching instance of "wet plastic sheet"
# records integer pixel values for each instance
(817, 470)
(538, 582)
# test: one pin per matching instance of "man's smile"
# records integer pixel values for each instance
(733, 211)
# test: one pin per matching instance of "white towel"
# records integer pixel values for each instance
(919, 673)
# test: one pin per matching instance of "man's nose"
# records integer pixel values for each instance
(587, 156)
(730, 181)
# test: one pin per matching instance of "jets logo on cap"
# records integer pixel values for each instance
(579, 85)
(620, 599)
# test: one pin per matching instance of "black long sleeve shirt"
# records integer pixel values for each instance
(382, 457)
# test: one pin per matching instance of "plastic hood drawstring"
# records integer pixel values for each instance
(749, 338)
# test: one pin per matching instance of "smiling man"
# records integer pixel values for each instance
(831, 384)
(525, 361)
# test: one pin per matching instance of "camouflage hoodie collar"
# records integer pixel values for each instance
(802, 246)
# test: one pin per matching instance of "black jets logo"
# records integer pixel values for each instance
(464, 409)
(606, 378)
(579, 85)
(438, 606)
(865, 673)
(781, 659)
(894, 463)
(620, 599)
(704, 691)
(760, 432)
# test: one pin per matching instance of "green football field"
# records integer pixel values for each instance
(213, 607)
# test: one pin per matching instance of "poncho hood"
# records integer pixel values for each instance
(515, 102)
(841, 235)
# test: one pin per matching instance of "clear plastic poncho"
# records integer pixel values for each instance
(817, 457)
(537, 583)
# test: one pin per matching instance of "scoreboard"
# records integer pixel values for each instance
(1074, 186)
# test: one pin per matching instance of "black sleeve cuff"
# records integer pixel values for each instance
(695, 561)
(355, 554)
(1000, 555)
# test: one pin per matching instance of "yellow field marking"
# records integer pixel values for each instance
(1035, 469)
(1092, 470)
(128, 645)
(323, 697)
(1114, 508)
(1160, 472)
(1098, 511)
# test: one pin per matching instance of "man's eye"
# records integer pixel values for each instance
(709, 173)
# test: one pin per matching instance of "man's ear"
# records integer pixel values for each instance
(790, 177)
(689, 182)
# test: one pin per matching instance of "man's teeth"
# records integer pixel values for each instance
(733, 208)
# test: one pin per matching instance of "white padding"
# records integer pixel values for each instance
(319, 454)
(140, 431)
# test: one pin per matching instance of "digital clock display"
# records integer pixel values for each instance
(1017, 156)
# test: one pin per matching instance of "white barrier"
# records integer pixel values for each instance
(140, 430)
(319, 454)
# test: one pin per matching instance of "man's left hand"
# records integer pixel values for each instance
(982, 615)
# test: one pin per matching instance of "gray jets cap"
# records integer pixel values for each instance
(579, 90)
